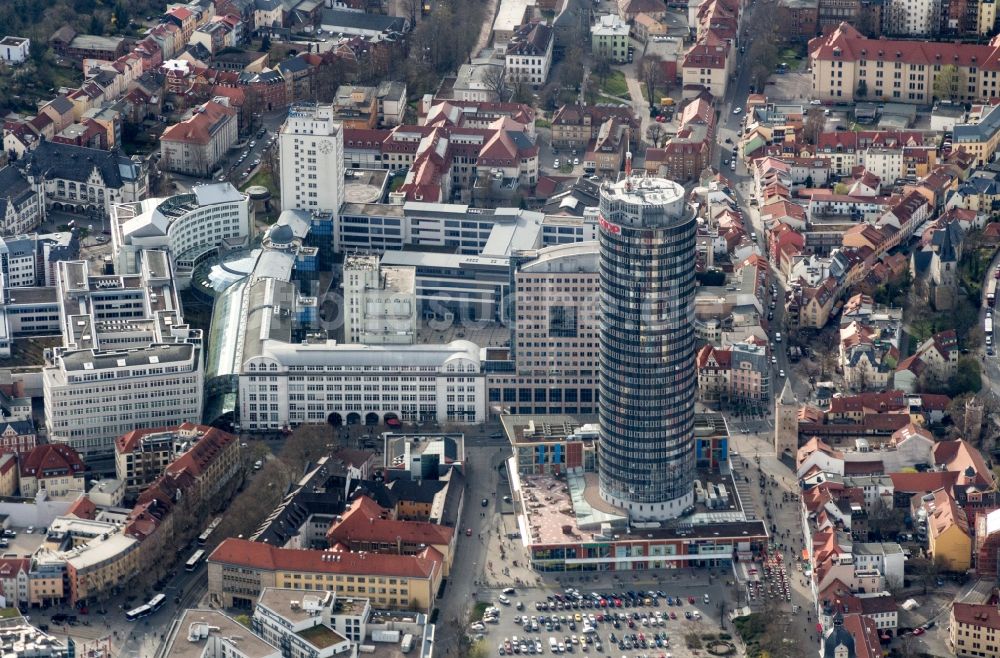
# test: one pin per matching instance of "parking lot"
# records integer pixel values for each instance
(625, 622)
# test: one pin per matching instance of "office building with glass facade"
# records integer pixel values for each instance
(648, 380)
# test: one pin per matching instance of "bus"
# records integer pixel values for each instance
(156, 602)
(138, 613)
(991, 292)
(195, 560)
(203, 537)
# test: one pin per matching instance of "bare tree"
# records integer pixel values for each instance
(495, 79)
(651, 73)
(653, 134)
(411, 7)
(814, 125)
(306, 444)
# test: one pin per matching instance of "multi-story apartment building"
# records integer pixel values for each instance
(974, 631)
(380, 303)
(866, 15)
(14, 580)
(912, 18)
(20, 205)
(128, 360)
(609, 37)
(189, 227)
(29, 260)
(736, 376)
(196, 145)
(142, 456)
(311, 144)
(574, 126)
(708, 64)
(56, 469)
(239, 570)
(844, 62)
(529, 54)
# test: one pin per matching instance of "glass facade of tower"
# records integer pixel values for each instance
(648, 381)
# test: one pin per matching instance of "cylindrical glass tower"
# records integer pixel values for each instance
(648, 379)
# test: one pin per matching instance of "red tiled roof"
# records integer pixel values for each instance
(270, 558)
(54, 459)
(83, 508)
(365, 521)
(975, 614)
(198, 129)
(847, 44)
(922, 482)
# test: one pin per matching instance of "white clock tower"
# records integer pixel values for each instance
(312, 159)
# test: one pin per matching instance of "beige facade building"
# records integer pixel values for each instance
(844, 61)
(195, 145)
(974, 631)
(555, 340)
(239, 570)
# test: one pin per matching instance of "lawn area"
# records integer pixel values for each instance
(615, 85)
(543, 123)
(600, 98)
(265, 178)
(9, 613)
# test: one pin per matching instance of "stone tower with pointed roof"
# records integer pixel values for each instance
(786, 421)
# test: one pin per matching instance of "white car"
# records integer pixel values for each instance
(815, 101)
(576, 161)
(504, 600)
(738, 110)
(478, 626)
(781, 373)
(556, 163)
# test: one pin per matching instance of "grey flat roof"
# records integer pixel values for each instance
(443, 261)
(160, 353)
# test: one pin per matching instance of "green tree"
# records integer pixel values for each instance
(968, 378)
(265, 43)
(96, 25)
(948, 83)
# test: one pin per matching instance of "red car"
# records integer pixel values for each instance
(691, 600)
(918, 630)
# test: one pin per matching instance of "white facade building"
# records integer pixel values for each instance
(886, 558)
(529, 54)
(128, 359)
(282, 617)
(312, 159)
(911, 17)
(380, 303)
(94, 396)
(188, 226)
(14, 50)
(284, 382)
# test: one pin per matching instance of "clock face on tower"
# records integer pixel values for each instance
(326, 147)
